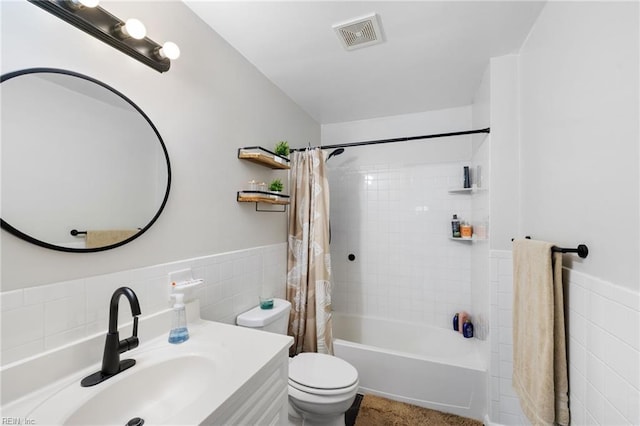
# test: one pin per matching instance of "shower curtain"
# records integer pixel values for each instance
(309, 261)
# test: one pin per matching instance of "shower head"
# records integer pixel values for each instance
(335, 152)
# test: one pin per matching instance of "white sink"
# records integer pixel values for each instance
(165, 379)
(189, 383)
(150, 393)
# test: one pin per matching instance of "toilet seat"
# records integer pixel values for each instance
(323, 392)
(322, 374)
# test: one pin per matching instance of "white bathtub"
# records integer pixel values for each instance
(426, 366)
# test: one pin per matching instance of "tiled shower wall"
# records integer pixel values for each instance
(45, 317)
(603, 349)
(396, 220)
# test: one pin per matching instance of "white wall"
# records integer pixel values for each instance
(571, 100)
(208, 104)
(579, 134)
(504, 151)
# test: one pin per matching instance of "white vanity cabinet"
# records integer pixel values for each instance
(263, 400)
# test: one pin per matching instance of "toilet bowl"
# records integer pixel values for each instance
(321, 387)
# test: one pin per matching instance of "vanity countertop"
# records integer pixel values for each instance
(184, 383)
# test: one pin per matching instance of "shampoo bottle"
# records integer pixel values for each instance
(455, 227)
(467, 329)
(179, 332)
(463, 317)
(467, 177)
(455, 321)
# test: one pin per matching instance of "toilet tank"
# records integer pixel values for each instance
(275, 320)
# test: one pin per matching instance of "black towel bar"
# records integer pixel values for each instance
(581, 250)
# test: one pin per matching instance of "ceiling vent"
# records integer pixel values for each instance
(360, 32)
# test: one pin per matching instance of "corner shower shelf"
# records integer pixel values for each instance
(468, 240)
(264, 157)
(474, 189)
(461, 190)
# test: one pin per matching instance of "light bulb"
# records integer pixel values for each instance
(169, 50)
(89, 3)
(133, 28)
(78, 4)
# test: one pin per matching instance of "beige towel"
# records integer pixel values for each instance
(96, 239)
(539, 348)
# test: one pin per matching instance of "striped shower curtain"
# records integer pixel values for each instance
(309, 261)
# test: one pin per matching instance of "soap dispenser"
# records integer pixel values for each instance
(179, 332)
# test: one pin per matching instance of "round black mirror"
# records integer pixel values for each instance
(83, 167)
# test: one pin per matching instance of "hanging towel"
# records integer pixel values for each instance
(97, 239)
(539, 348)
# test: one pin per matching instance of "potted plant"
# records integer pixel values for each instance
(282, 148)
(276, 185)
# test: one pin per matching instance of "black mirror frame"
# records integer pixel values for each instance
(7, 227)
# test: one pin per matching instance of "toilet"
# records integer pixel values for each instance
(321, 387)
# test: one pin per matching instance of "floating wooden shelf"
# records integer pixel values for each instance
(264, 157)
(262, 197)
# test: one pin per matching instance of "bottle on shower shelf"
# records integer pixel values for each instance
(462, 319)
(455, 227)
(467, 177)
(466, 230)
(467, 329)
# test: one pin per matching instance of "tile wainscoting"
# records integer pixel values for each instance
(37, 319)
(603, 349)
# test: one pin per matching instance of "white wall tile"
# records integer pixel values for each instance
(577, 411)
(68, 335)
(595, 405)
(19, 352)
(64, 314)
(634, 406)
(617, 391)
(22, 325)
(603, 357)
(12, 299)
(48, 316)
(396, 219)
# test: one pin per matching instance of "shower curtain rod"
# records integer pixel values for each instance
(403, 139)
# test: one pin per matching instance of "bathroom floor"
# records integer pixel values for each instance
(374, 410)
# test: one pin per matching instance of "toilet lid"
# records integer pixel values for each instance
(321, 371)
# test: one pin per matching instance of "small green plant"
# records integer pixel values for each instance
(282, 148)
(276, 185)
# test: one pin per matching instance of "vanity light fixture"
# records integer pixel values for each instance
(129, 37)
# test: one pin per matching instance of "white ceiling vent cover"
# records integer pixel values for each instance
(360, 32)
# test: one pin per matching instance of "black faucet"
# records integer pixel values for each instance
(113, 346)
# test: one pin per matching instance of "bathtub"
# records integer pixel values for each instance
(426, 366)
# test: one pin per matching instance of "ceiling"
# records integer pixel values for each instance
(433, 55)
